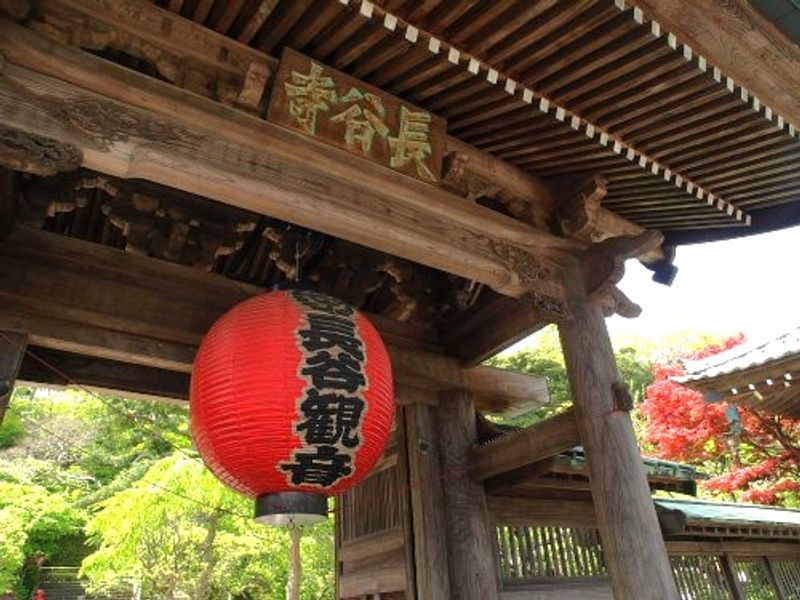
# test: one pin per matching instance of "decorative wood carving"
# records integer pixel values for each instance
(103, 123)
(547, 308)
(37, 154)
(186, 232)
(530, 270)
(580, 216)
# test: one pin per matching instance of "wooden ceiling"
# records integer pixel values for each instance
(609, 92)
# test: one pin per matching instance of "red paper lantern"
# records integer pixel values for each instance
(291, 401)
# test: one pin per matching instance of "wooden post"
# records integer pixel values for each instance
(404, 497)
(470, 552)
(729, 567)
(427, 502)
(632, 543)
(12, 350)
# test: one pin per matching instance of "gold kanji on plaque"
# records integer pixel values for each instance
(337, 109)
(308, 94)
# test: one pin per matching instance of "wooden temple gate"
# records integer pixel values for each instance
(438, 165)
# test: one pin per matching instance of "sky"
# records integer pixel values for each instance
(749, 285)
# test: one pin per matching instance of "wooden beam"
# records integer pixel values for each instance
(470, 549)
(573, 202)
(737, 548)
(632, 542)
(369, 546)
(585, 590)
(536, 512)
(734, 36)
(37, 154)
(382, 579)
(519, 392)
(151, 313)
(63, 369)
(129, 125)
(524, 447)
(12, 351)
(521, 476)
(735, 586)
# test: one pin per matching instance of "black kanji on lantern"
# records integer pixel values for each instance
(323, 466)
(332, 418)
(332, 403)
(339, 371)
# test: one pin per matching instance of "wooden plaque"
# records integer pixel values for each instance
(340, 110)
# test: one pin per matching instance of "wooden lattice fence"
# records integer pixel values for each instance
(534, 552)
(532, 556)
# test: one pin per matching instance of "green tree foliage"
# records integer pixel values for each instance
(179, 533)
(120, 479)
(34, 521)
(544, 358)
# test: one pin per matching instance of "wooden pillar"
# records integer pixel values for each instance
(632, 542)
(427, 502)
(404, 497)
(12, 350)
(470, 550)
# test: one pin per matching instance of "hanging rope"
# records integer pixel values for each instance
(295, 564)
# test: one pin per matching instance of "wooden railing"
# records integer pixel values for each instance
(567, 563)
(528, 553)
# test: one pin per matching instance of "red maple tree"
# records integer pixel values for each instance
(754, 460)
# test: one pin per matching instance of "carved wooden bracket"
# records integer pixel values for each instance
(37, 154)
(603, 266)
(458, 174)
(475, 174)
(580, 215)
(579, 205)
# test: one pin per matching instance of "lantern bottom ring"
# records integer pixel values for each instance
(291, 508)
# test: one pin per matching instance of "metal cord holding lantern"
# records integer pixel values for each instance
(291, 402)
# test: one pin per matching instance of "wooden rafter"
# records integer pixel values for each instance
(514, 86)
(743, 43)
